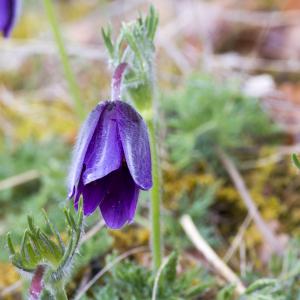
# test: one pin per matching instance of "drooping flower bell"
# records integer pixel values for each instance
(9, 12)
(112, 160)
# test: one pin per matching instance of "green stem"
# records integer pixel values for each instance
(69, 75)
(155, 200)
(58, 290)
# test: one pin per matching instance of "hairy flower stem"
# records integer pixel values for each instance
(59, 292)
(69, 75)
(156, 241)
(155, 191)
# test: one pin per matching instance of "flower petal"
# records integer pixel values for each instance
(119, 204)
(9, 12)
(105, 153)
(4, 13)
(135, 142)
(93, 194)
(133, 204)
(85, 135)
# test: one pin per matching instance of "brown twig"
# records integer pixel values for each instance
(271, 159)
(251, 17)
(245, 63)
(263, 19)
(237, 240)
(40, 47)
(239, 183)
(19, 179)
(209, 254)
(11, 288)
(243, 258)
(88, 235)
(107, 268)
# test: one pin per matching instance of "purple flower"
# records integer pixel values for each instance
(111, 162)
(9, 12)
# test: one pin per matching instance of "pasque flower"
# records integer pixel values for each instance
(111, 161)
(9, 12)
